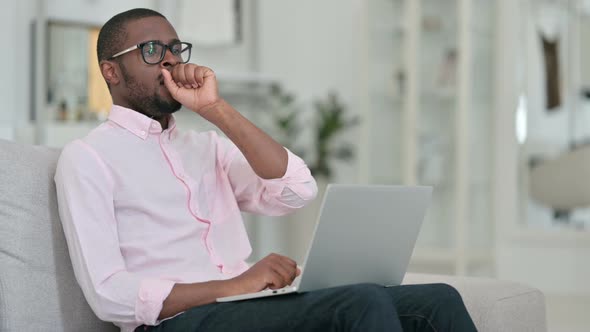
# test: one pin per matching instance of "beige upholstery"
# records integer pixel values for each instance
(495, 305)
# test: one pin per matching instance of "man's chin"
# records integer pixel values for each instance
(170, 107)
(167, 106)
(166, 103)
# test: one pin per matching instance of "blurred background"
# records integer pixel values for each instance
(486, 100)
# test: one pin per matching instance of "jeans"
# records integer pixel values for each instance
(362, 307)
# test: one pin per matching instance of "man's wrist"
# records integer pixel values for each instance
(232, 287)
(211, 108)
(218, 113)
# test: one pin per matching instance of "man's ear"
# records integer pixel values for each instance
(109, 72)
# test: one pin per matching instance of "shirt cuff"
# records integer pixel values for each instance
(150, 300)
(297, 172)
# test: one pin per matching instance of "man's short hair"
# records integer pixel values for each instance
(113, 34)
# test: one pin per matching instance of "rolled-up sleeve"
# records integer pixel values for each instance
(269, 196)
(85, 197)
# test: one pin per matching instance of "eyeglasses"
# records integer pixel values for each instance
(153, 51)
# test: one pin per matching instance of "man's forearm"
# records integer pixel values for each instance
(185, 296)
(266, 156)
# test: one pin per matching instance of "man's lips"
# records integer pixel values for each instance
(164, 90)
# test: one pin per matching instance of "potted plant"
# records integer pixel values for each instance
(328, 121)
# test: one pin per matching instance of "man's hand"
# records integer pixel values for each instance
(273, 271)
(193, 86)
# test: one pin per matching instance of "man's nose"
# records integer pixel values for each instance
(169, 60)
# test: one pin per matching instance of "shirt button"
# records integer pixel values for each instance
(142, 133)
(154, 125)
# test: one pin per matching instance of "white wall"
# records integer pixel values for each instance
(7, 21)
(235, 58)
(95, 12)
(314, 47)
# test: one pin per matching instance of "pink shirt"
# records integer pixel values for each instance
(145, 208)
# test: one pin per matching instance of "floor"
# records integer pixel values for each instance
(568, 313)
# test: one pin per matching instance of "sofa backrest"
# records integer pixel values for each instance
(38, 291)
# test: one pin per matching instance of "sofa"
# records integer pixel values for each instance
(38, 291)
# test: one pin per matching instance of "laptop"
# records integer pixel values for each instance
(364, 234)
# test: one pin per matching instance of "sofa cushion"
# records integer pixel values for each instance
(494, 305)
(38, 291)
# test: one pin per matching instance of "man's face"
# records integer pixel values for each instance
(143, 84)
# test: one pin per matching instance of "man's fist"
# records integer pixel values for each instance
(192, 85)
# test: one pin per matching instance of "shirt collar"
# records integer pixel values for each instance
(137, 123)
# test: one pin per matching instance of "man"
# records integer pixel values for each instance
(152, 215)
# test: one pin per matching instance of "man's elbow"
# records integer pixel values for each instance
(309, 192)
(100, 309)
(296, 197)
(107, 309)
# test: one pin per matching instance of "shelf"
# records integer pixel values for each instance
(388, 29)
(6, 132)
(245, 78)
(423, 119)
(387, 98)
(72, 125)
(438, 95)
(547, 238)
(426, 97)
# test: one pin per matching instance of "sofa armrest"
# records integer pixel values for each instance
(494, 305)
